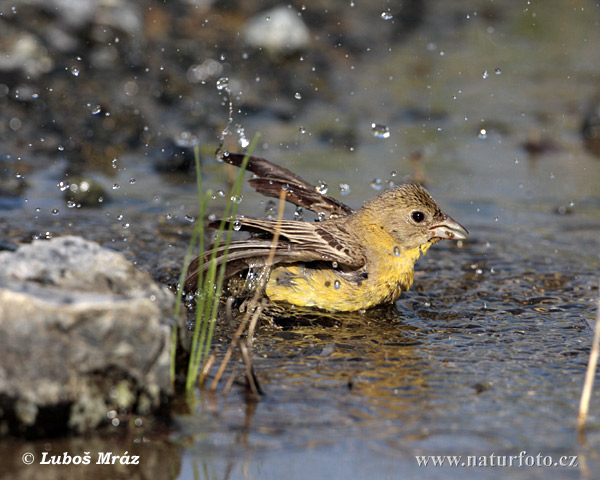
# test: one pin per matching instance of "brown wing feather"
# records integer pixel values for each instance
(271, 179)
(316, 241)
(298, 242)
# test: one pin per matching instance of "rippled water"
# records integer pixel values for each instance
(487, 352)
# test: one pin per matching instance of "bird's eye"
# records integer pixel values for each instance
(417, 216)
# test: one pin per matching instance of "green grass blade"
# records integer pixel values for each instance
(211, 283)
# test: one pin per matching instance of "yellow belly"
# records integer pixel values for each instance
(329, 289)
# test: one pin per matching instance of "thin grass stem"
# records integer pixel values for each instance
(590, 373)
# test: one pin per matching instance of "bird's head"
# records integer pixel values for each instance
(412, 217)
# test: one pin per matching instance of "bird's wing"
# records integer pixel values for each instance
(271, 179)
(298, 242)
(325, 241)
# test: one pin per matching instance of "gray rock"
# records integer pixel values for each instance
(82, 333)
(280, 30)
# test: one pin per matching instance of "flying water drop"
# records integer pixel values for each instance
(380, 131)
(223, 84)
(322, 187)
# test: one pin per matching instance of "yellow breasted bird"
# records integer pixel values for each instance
(350, 261)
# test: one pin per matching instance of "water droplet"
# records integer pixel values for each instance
(551, 175)
(62, 186)
(212, 217)
(236, 199)
(337, 285)
(60, 148)
(115, 161)
(243, 141)
(321, 216)
(485, 74)
(322, 187)
(221, 193)
(223, 83)
(386, 15)
(344, 188)
(482, 134)
(298, 214)
(116, 186)
(96, 109)
(396, 251)
(334, 264)
(75, 71)
(302, 130)
(270, 209)
(298, 96)
(189, 218)
(376, 184)
(497, 71)
(237, 225)
(380, 131)
(132, 181)
(516, 161)
(55, 211)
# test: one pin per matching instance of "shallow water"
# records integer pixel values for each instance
(486, 353)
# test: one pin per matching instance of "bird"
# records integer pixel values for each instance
(349, 261)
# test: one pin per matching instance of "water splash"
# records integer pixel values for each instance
(243, 140)
(223, 84)
(377, 184)
(322, 187)
(380, 131)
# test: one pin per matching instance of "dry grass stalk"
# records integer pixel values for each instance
(253, 311)
(588, 384)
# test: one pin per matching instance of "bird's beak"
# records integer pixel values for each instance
(449, 229)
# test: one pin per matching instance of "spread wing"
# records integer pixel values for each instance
(298, 242)
(271, 179)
